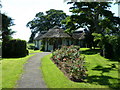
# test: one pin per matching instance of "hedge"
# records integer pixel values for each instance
(14, 48)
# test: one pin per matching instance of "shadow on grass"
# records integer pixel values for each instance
(115, 59)
(105, 69)
(91, 51)
(104, 79)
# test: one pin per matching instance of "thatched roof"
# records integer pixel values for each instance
(55, 32)
(78, 35)
(38, 37)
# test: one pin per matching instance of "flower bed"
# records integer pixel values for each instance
(70, 62)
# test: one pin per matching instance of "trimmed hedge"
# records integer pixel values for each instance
(14, 49)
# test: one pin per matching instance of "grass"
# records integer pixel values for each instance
(54, 78)
(32, 45)
(101, 73)
(34, 51)
(12, 69)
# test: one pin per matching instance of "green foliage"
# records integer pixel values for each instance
(110, 44)
(115, 42)
(68, 59)
(7, 22)
(108, 50)
(43, 22)
(14, 48)
(96, 16)
(90, 14)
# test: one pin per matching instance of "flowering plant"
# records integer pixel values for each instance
(69, 60)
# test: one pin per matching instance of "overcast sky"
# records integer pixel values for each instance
(24, 11)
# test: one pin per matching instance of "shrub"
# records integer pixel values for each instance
(36, 48)
(68, 59)
(14, 48)
(108, 51)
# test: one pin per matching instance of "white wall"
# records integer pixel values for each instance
(38, 44)
(49, 47)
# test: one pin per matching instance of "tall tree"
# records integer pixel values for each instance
(7, 22)
(0, 5)
(96, 16)
(43, 22)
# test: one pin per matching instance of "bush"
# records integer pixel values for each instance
(111, 48)
(14, 49)
(107, 51)
(68, 59)
(36, 48)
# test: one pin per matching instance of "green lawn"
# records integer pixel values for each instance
(11, 70)
(101, 73)
(29, 45)
(34, 51)
(32, 45)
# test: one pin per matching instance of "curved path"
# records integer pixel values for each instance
(32, 76)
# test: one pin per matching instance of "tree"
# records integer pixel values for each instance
(95, 16)
(0, 5)
(7, 22)
(43, 22)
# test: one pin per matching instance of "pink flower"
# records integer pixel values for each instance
(58, 58)
(77, 58)
(64, 59)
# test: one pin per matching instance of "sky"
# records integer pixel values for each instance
(23, 11)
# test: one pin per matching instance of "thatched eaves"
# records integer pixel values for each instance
(38, 37)
(55, 32)
(78, 35)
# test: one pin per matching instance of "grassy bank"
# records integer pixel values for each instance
(11, 70)
(102, 73)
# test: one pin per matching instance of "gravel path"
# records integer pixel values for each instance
(32, 76)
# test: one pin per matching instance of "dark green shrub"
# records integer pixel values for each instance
(36, 48)
(117, 48)
(14, 48)
(27, 52)
(108, 51)
(68, 59)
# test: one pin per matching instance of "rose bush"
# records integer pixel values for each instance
(69, 60)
